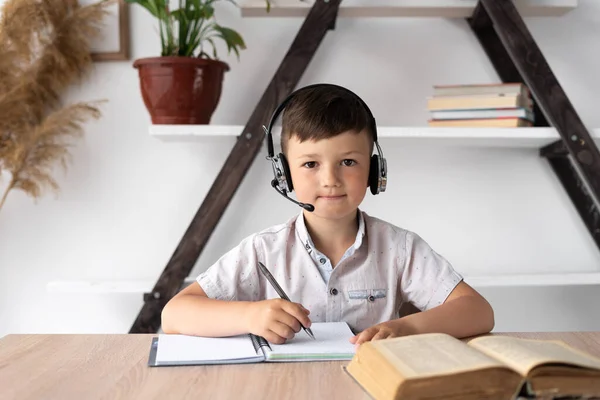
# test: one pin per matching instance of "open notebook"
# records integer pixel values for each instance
(332, 343)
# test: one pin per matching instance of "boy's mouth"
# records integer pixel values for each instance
(338, 197)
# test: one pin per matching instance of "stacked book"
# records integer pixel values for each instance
(487, 105)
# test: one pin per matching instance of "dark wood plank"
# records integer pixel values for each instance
(546, 90)
(554, 149)
(482, 27)
(320, 19)
(517, 58)
(578, 193)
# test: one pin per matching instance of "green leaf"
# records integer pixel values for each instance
(206, 12)
(155, 7)
(231, 38)
(212, 43)
(180, 15)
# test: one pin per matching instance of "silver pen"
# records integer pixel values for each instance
(280, 292)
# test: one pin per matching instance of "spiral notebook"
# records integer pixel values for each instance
(332, 343)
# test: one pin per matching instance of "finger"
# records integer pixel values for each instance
(282, 330)
(272, 337)
(366, 335)
(289, 320)
(382, 334)
(353, 339)
(297, 311)
(305, 320)
(360, 339)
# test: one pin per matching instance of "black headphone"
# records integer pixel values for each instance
(282, 182)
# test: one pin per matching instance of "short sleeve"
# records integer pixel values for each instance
(234, 276)
(427, 278)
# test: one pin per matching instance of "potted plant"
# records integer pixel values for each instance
(183, 85)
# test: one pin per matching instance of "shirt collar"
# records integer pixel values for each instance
(307, 241)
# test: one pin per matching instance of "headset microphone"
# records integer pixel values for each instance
(307, 207)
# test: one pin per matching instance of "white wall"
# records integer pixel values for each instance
(127, 197)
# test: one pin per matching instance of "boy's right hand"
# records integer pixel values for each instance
(276, 320)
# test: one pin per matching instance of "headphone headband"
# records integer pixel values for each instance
(285, 102)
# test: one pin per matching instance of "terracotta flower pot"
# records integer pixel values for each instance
(180, 90)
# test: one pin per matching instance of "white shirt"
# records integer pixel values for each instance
(321, 260)
(385, 267)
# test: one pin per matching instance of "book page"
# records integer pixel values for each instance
(432, 354)
(183, 349)
(332, 341)
(525, 354)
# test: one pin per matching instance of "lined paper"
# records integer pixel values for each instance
(332, 343)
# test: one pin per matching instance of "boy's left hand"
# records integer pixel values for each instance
(384, 330)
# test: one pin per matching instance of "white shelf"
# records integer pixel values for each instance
(186, 133)
(529, 280)
(478, 137)
(526, 280)
(402, 8)
(130, 286)
(99, 286)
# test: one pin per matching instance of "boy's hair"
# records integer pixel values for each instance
(324, 112)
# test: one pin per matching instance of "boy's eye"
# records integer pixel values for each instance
(348, 162)
(310, 164)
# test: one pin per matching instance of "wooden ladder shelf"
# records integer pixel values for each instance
(516, 58)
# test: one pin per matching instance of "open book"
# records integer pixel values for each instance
(332, 343)
(439, 366)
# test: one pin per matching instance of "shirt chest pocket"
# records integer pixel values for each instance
(364, 308)
(369, 295)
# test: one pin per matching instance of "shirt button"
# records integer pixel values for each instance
(322, 261)
(333, 291)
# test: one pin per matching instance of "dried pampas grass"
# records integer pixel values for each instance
(44, 48)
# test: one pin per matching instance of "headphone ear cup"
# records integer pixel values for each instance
(286, 172)
(374, 172)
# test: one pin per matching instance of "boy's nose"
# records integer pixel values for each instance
(329, 177)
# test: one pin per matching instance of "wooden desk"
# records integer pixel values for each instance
(114, 367)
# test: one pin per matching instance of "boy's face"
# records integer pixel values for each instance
(331, 174)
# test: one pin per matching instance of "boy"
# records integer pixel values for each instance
(336, 263)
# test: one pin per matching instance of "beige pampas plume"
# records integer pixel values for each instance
(44, 48)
